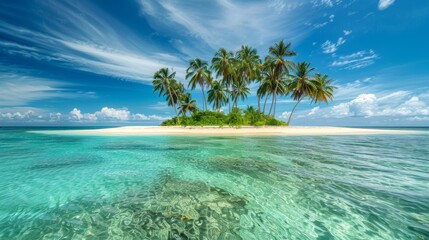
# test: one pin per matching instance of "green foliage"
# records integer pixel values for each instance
(236, 118)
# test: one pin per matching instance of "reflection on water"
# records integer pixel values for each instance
(175, 187)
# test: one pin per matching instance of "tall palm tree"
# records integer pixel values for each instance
(200, 75)
(278, 52)
(247, 70)
(187, 104)
(163, 82)
(217, 95)
(223, 64)
(324, 90)
(240, 91)
(247, 63)
(303, 84)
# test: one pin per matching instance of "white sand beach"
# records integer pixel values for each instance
(226, 131)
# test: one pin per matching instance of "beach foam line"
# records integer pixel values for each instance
(227, 131)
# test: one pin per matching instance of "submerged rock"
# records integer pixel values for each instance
(172, 209)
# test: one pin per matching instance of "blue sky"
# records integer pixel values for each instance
(91, 62)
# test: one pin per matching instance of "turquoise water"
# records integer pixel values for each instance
(177, 187)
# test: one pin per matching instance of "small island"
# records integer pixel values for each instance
(274, 77)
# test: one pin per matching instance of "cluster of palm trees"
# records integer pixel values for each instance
(276, 76)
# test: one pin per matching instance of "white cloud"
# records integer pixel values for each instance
(369, 105)
(313, 111)
(104, 115)
(347, 32)
(76, 116)
(330, 47)
(284, 115)
(107, 114)
(383, 4)
(113, 114)
(356, 60)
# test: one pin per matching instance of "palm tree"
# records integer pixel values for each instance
(200, 75)
(240, 90)
(247, 69)
(187, 104)
(281, 66)
(303, 85)
(324, 90)
(163, 82)
(223, 64)
(177, 90)
(247, 63)
(217, 95)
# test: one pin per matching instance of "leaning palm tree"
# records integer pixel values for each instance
(217, 96)
(162, 82)
(187, 104)
(324, 90)
(177, 90)
(223, 64)
(199, 74)
(303, 85)
(280, 65)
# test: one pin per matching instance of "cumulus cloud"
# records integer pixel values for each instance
(369, 105)
(104, 115)
(284, 115)
(107, 114)
(383, 4)
(331, 47)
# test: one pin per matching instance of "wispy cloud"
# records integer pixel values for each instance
(331, 47)
(224, 23)
(20, 89)
(80, 36)
(356, 60)
(383, 4)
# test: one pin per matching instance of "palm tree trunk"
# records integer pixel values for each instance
(204, 97)
(265, 103)
(229, 99)
(293, 109)
(274, 97)
(275, 105)
(259, 103)
(174, 106)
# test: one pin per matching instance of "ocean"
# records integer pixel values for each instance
(206, 187)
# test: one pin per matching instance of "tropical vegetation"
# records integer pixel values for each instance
(227, 80)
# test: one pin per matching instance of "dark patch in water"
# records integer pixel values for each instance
(136, 146)
(64, 162)
(172, 209)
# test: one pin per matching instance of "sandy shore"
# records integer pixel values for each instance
(226, 131)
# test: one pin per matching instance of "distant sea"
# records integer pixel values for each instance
(201, 187)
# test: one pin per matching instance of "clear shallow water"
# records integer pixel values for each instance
(175, 187)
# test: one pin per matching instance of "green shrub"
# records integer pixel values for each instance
(235, 118)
